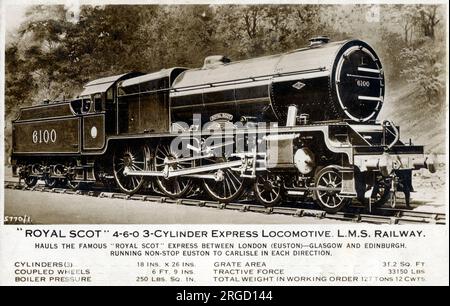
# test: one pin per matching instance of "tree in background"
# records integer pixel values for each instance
(41, 48)
(18, 89)
(428, 18)
(175, 36)
(254, 30)
(423, 57)
(424, 69)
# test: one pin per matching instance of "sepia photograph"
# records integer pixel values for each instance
(285, 109)
(224, 143)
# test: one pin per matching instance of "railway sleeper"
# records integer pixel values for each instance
(395, 216)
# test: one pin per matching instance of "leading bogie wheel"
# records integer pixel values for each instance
(133, 158)
(268, 189)
(328, 182)
(381, 192)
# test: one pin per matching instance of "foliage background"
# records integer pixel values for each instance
(57, 49)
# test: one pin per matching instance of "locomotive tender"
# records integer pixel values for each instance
(297, 124)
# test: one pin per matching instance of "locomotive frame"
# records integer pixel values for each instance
(125, 130)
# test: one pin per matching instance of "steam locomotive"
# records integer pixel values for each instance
(300, 124)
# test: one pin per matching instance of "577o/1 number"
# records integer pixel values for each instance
(44, 136)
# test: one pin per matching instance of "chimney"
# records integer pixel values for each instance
(215, 60)
(318, 41)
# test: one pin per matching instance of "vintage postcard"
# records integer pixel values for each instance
(224, 143)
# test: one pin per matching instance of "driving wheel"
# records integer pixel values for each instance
(228, 187)
(166, 161)
(132, 158)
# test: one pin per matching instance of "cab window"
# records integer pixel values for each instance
(98, 103)
(109, 94)
(76, 106)
(87, 104)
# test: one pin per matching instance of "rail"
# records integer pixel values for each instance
(355, 214)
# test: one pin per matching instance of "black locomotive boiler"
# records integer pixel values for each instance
(299, 124)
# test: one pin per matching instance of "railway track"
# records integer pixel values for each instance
(357, 214)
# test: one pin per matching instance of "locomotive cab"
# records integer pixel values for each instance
(144, 102)
(99, 103)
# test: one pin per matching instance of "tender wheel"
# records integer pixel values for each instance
(50, 182)
(53, 182)
(230, 186)
(268, 189)
(381, 192)
(133, 158)
(71, 183)
(30, 181)
(166, 160)
(329, 180)
(60, 170)
(74, 185)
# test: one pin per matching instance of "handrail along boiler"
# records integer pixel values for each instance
(299, 124)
